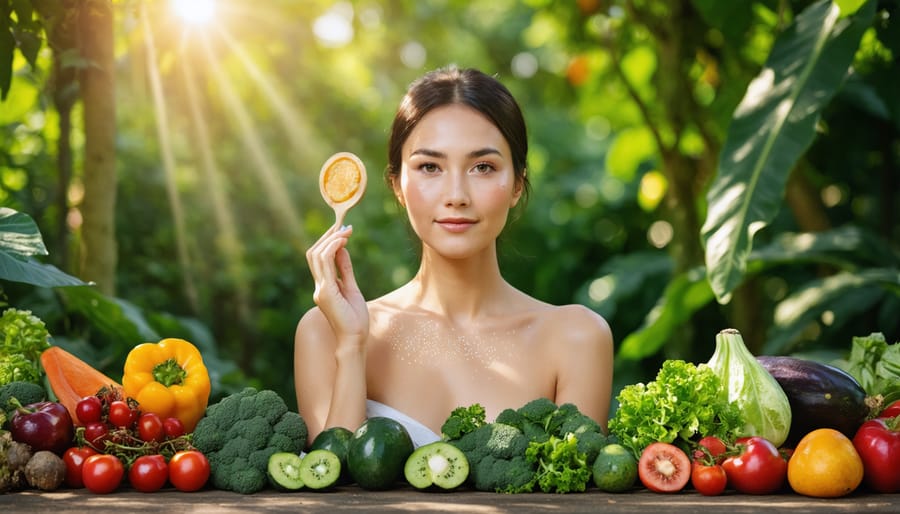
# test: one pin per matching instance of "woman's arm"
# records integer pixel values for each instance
(329, 345)
(330, 383)
(585, 363)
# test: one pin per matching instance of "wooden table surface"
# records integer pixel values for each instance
(406, 499)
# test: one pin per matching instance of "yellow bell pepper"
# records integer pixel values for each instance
(168, 378)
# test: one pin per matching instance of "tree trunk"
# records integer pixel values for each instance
(98, 254)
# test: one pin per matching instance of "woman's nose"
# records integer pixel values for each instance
(456, 189)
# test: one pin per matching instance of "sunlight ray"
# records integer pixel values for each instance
(227, 241)
(298, 132)
(168, 161)
(282, 206)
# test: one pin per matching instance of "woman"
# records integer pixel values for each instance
(457, 333)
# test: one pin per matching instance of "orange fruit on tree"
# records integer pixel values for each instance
(825, 465)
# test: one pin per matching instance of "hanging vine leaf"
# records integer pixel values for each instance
(771, 128)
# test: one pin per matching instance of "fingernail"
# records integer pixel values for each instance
(345, 228)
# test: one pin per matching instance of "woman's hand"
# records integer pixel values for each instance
(337, 293)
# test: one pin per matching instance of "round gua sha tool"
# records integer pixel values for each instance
(342, 183)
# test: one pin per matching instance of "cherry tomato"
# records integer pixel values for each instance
(188, 470)
(150, 427)
(709, 480)
(173, 427)
(664, 468)
(88, 409)
(74, 459)
(877, 442)
(96, 433)
(708, 450)
(891, 411)
(758, 469)
(102, 473)
(148, 473)
(121, 415)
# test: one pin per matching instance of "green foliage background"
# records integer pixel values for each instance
(637, 109)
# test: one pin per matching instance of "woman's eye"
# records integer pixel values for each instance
(483, 167)
(429, 167)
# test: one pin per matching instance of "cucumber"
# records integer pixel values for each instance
(821, 396)
(283, 471)
(337, 441)
(378, 452)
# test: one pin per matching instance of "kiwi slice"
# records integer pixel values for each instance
(437, 463)
(283, 471)
(320, 469)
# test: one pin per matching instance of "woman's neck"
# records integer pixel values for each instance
(461, 289)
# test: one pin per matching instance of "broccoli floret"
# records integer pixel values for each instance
(578, 423)
(239, 433)
(463, 420)
(503, 475)
(590, 443)
(538, 411)
(496, 455)
(25, 392)
(510, 417)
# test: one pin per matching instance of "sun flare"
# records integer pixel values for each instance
(194, 12)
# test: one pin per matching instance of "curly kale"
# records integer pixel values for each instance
(682, 404)
(561, 467)
(23, 337)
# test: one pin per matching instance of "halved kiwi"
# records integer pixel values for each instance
(320, 469)
(283, 471)
(437, 463)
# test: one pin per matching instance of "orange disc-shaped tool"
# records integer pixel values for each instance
(342, 182)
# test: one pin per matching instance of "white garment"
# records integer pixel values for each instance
(419, 433)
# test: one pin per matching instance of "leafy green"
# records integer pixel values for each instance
(23, 337)
(463, 420)
(875, 364)
(561, 468)
(682, 404)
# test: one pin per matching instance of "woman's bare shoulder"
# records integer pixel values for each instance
(577, 325)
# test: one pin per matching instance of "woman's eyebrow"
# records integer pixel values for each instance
(488, 150)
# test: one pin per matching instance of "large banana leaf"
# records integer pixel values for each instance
(20, 239)
(771, 128)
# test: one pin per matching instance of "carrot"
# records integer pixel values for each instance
(71, 379)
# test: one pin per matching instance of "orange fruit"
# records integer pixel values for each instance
(825, 465)
(341, 179)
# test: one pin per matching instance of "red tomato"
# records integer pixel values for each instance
(891, 411)
(878, 443)
(88, 409)
(96, 433)
(709, 449)
(664, 468)
(709, 480)
(148, 473)
(188, 470)
(173, 427)
(758, 469)
(102, 473)
(150, 427)
(74, 459)
(121, 415)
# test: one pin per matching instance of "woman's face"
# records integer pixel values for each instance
(457, 181)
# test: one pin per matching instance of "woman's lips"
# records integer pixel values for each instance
(455, 225)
